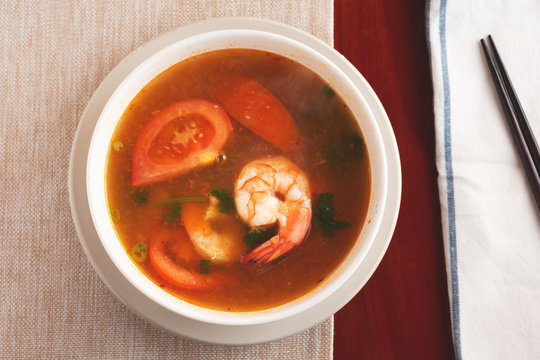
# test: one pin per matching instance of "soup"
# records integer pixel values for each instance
(237, 180)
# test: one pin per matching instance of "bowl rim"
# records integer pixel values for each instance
(243, 23)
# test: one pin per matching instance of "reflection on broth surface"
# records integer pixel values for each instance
(173, 186)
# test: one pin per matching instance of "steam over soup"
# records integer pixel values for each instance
(237, 180)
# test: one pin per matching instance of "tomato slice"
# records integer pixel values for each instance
(167, 242)
(183, 136)
(260, 111)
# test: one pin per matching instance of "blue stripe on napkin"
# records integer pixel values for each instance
(454, 283)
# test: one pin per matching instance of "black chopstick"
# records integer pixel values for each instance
(515, 116)
(521, 117)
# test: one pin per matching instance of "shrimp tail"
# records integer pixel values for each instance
(266, 252)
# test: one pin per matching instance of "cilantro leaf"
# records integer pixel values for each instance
(226, 202)
(140, 197)
(328, 92)
(308, 113)
(252, 238)
(344, 151)
(204, 266)
(255, 237)
(324, 212)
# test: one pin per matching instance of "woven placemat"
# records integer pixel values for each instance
(53, 56)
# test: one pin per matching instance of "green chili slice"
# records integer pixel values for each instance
(139, 252)
(115, 214)
(117, 145)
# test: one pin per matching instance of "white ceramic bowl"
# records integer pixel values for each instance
(228, 37)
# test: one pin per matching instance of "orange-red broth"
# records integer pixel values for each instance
(327, 126)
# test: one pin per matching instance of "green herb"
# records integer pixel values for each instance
(345, 150)
(179, 201)
(308, 114)
(226, 202)
(255, 237)
(252, 238)
(324, 212)
(233, 156)
(140, 197)
(117, 145)
(328, 92)
(356, 145)
(115, 214)
(172, 217)
(204, 266)
(330, 155)
(138, 252)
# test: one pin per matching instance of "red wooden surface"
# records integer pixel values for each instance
(403, 311)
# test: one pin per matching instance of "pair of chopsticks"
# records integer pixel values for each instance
(517, 121)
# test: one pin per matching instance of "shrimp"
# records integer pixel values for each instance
(273, 190)
(215, 236)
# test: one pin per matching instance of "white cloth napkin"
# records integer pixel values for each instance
(490, 222)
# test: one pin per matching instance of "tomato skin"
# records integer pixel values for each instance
(148, 170)
(172, 272)
(251, 104)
